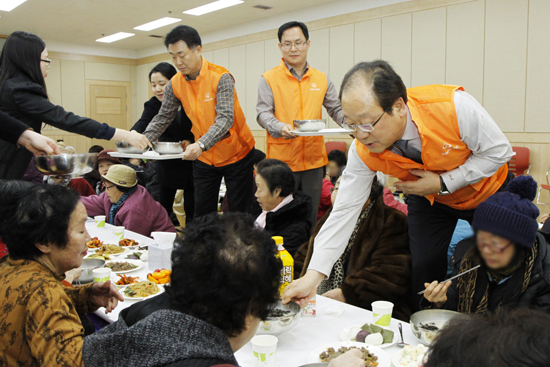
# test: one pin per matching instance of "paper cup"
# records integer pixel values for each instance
(118, 231)
(382, 311)
(101, 275)
(264, 347)
(99, 221)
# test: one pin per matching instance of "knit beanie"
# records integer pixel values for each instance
(511, 213)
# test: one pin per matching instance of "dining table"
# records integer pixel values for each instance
(295, 345)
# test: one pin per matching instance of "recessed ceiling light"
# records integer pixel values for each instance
(115, 37)
(9, 5)
(216, 5)
(157, 24)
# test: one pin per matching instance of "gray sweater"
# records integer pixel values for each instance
(164, 337)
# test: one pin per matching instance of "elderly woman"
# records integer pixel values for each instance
(225, 278)
(285, 212)
(514, 258)
(104, 162)
(125, 203)
(376, 265)
(46, 236)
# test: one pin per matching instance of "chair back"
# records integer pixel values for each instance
(519, 162)
(335, 145)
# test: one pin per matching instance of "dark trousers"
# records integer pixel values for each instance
(310, 182)
(239, 178)
(166, 199)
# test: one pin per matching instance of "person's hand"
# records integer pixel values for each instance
(544, 218)
(429, 183)
(352, 358)
(73, 275)
(192, 152)
(38, 144)
(185, 144)
(303, 289)
(134, 161)
(134, 138)
(436, 293)
(286, 132)
(106, 295)
(327, 177)
(336, 294)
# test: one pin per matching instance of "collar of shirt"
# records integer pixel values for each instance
(294, 73)
(411, 133)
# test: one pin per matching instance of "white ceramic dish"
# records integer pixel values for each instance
(384, 359)
(139, 264)
(310, 125)
(161, 290)
(161, 157)
(344, 336)
(324, 132)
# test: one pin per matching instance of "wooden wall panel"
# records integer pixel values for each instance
(537, 108)
(340, 56)
(368, 38)
(73, 86)
(396, 44)
(465, 44)
(53, 82)
(221, 57)
(272, 54)
(318, 54)
(428, 47)
(237, 68)
(255, 53)
(505, 62)
(112, 72)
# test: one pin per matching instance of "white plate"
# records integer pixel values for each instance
(384, 359)
(139, 264)
(161, 290)
(323, 132)
(344, 336)
(396, 357)
(161, 157)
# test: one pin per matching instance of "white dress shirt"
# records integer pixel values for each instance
(490, 150)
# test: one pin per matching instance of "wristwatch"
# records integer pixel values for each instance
(444, 190)
(201, 145)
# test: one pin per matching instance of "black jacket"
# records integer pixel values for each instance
(173, 173)
(28, 102)
(292, 222)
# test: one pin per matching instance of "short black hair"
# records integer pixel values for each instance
(386, 84)
(38, 214)
(224, 270)
(167, 70)
(509, 338)
(95, 149)
(339, 157)
(293, 24)
(184, 33)
(277, 174)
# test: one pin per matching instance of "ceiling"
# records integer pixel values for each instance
(84, 21)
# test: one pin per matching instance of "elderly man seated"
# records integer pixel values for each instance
(125, 203)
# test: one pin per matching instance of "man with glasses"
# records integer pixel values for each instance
(442, 145)
(295, 91)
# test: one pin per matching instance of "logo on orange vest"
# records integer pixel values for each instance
(448, 147)
(314, 87)
(208, 97)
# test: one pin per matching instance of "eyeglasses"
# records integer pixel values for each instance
(367, 128)
(288, 46)
(494, 247)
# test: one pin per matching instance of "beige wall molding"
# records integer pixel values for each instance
(539, 138)
(92, 58)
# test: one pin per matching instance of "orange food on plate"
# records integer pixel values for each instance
(125, 280)
(94, 243)
(127, 242)
(160, 276)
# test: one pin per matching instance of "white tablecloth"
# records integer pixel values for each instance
(295, 345)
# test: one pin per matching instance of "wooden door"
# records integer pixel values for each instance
(108, 102)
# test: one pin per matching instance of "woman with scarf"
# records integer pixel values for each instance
(514, 258)
(125, 203)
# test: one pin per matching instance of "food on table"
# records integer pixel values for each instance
(126, 280)
(143, 248)
(374, 339)
(370, 359)
(431, 326)
(431, 329)
(160, 276)
(134, 256)
(141, 289)
(361, 335)
(279, 313)
(120, 266)
(110, 250)
(379, 335)
(96, 256)
(413, 356)
(94, 243)
(127, 242)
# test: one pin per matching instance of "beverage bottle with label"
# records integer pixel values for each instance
(287, 273)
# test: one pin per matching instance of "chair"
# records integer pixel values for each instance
(546, 187)
(520, 161)
(335, 145)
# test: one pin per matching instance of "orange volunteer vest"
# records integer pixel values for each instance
(198, 98)
(433, 112)
(297, 100)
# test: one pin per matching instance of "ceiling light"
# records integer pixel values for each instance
(157, 24)
(216, 5)
(9, 5)
(115, 37)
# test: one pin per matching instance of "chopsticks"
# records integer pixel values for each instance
(456, 276)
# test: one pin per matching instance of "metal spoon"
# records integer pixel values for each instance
(402, 342)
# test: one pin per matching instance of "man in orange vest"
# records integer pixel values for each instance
(442, 145)
(223, 141)
(295, 91)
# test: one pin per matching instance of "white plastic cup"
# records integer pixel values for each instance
(99, 221)
(101, 275)
(382, 311)
(118, 231)
(264, 348)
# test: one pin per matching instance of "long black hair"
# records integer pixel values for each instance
(167, 70)
(21, 54)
